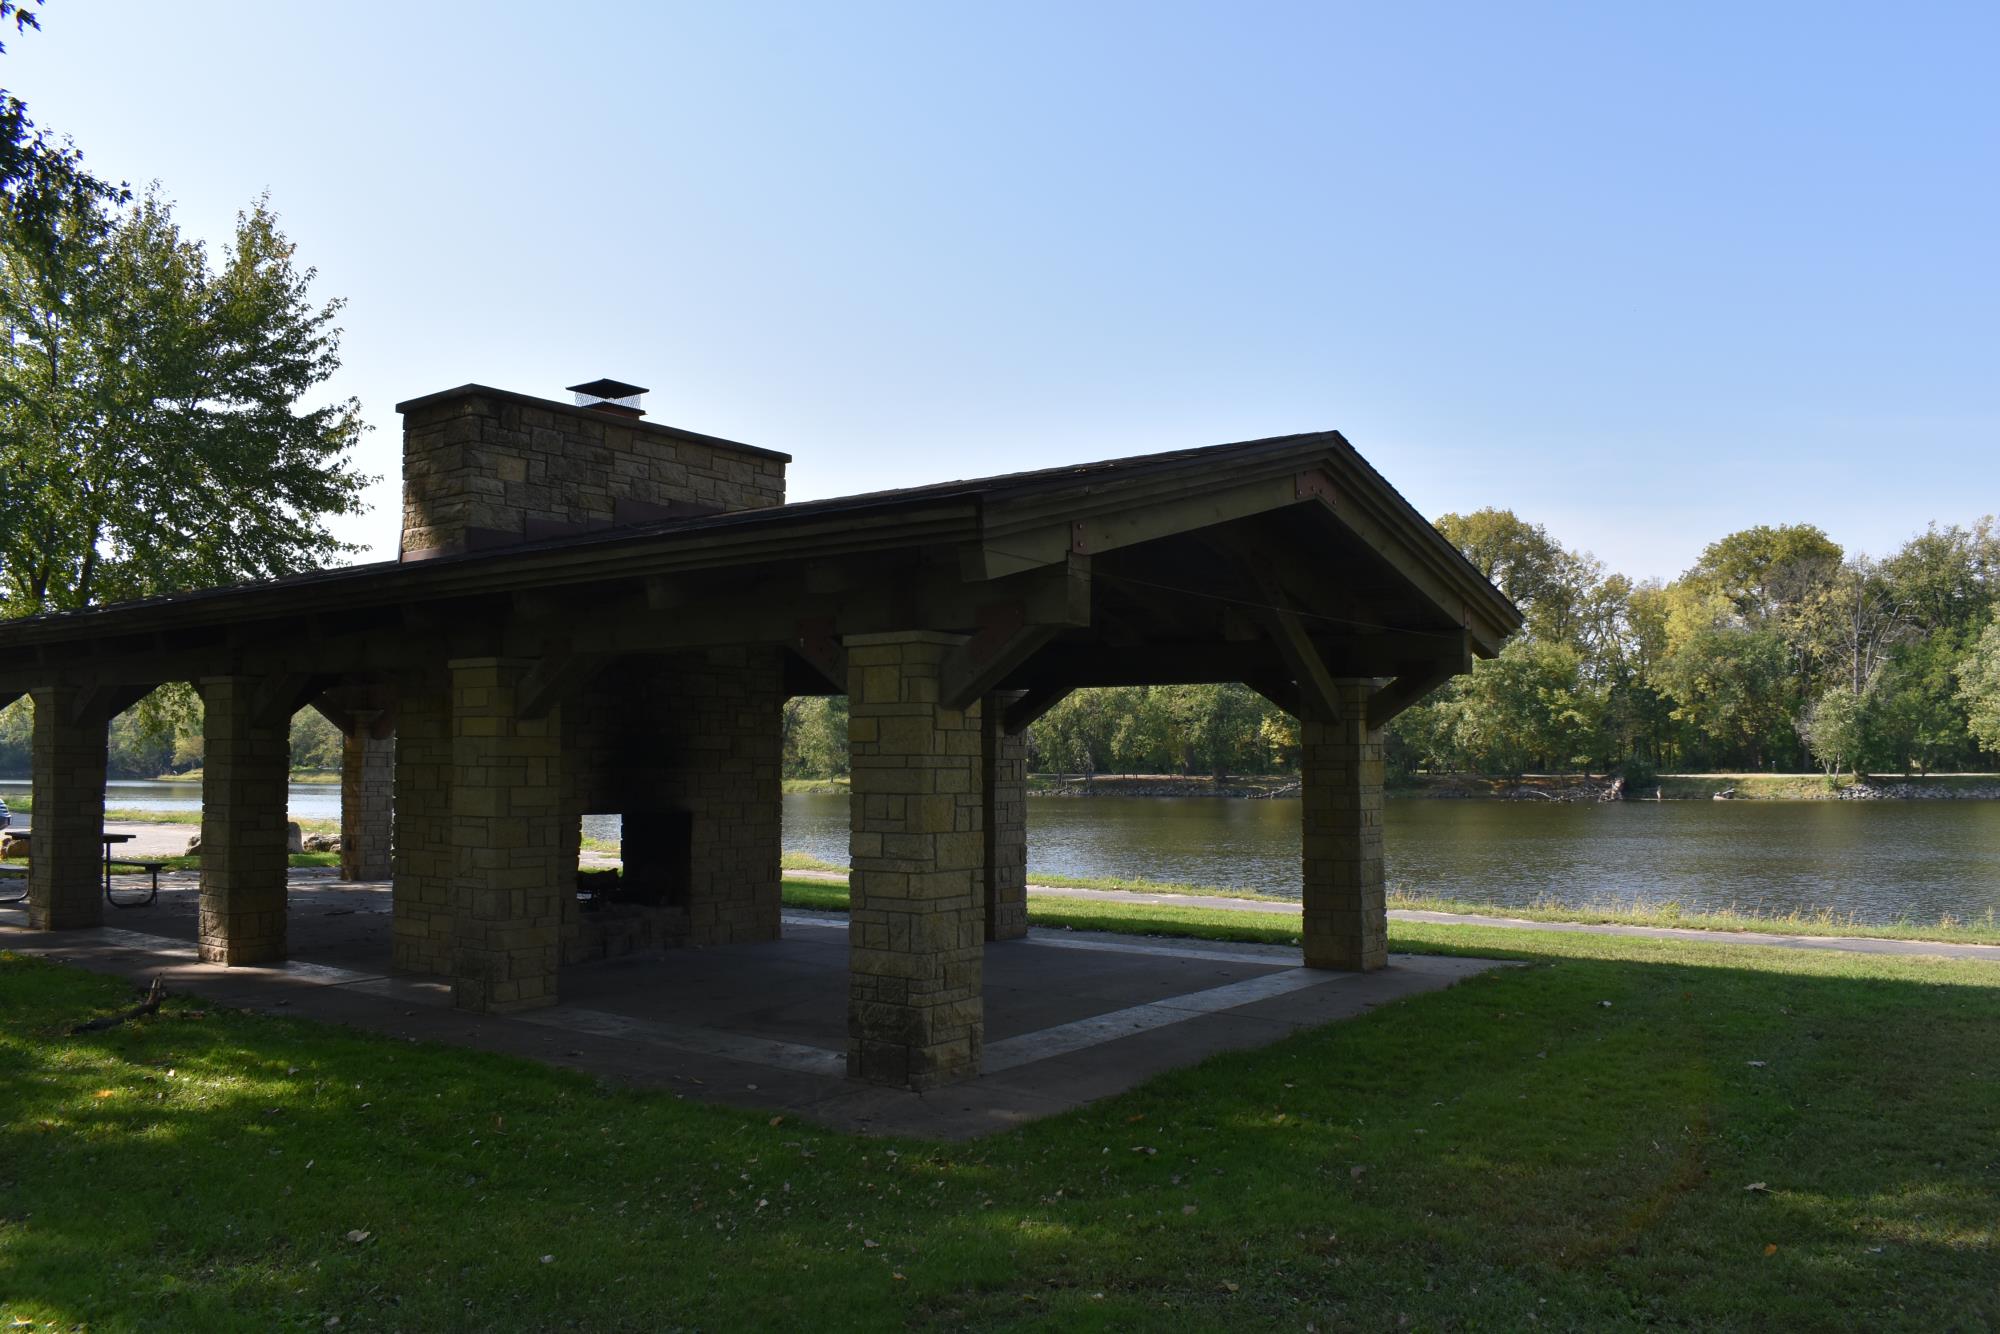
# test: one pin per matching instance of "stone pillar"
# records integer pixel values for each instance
(66, 855)
(245, 768)
(506, 804)
(915, 1012)
(1346, 921)
(367, 779)
(421, 861)
(1004, 783)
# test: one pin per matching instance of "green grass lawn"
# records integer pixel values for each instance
(1625, 1132)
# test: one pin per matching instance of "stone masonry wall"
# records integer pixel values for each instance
(422, 858)
(367, 783)
(1346, 922)
(506, 847)
(1004, 783)
(64, 890)
(246, 764)
(916, 930)
(496, 464)
(700, 734)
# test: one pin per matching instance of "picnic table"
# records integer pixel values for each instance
(110, 840)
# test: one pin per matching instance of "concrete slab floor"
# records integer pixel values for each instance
(1070, 1016)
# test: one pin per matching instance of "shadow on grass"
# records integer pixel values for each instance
(1574, 1141)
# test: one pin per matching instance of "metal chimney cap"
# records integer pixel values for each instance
(612, 396)
(611, 389)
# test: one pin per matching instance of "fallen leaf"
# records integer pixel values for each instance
(1759, 1187)
(1356, 1170)
(103, 1093)
(777, 1120)
(1605, 1004)
(1131, 1120)
(1227, 1286)
(897, 1277)
(1187, 1209)
(357, 1236)
(548, 1259)
(870, 1245)
(1757, 1065)
(1771, 1248)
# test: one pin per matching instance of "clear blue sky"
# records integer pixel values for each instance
(1645, 274)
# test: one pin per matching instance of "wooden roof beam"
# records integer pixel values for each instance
(1416, 679)
(1318, 697)
(555, 675)
(102, 703)
(1030, 707)
(1004, 641)
(820, 649)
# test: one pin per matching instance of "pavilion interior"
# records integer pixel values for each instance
(595, 613)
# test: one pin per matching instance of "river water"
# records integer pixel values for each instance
(1876, 861)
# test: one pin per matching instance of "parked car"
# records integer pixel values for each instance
(5, 818)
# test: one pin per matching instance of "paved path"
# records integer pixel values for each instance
(1838, 944)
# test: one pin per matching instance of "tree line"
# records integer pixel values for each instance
(151, 743)
(1778, 650)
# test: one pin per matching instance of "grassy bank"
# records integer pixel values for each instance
(1984, 930)
(1626, 1133)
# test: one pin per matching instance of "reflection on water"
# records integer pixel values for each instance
(1876, 860)
(305, 801)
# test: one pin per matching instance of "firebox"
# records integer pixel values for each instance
(657, 848)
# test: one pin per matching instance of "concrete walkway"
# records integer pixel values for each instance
(1071, 1016)
(1837, 944)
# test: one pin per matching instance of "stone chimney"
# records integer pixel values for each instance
(485, 468)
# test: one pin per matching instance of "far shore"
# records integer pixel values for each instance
(1551, 787)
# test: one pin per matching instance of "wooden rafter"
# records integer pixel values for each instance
(1032, 704)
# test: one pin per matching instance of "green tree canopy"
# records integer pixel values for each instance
(42, 178)
(1979, 688)
(1764, 571)
(154, 429)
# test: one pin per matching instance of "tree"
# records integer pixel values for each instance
(153, 429)
(1833, 728)
(1517, 557)
(1764, 571)
(816, 737)
(1731, 684)
(316, 743)
(1936, 578)
(42, 179)
(1529, 707)
(1979, 688)
(1915, 717)
(1850, 623)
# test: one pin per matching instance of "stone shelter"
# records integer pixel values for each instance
(594, 613)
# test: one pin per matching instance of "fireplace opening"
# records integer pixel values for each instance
(657, 848)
